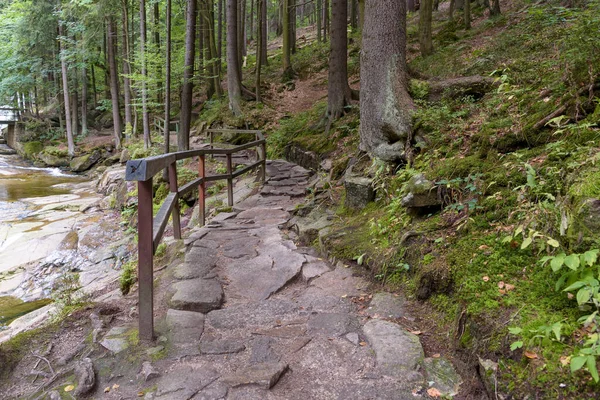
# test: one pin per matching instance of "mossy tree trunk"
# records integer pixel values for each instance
(338, 90)
(185, 118)
(467, 14)
(386, 107)
(234, 85)
(425, 14)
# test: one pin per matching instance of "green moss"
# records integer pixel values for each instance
(128, 276)
(587, 185)
(32, 149)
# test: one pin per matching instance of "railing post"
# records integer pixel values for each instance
(174, 188)
(212, 139)
(202, 191)
(229, 181)
(263, 170)
(145, 262)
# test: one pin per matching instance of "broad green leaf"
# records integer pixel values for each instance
(583, 296)
(516, 345)
(518, 230)
(507, 239)
(590, 257)
(577, 363)
(572, 262)
(526, 243)
(556, 328)
(574, 286)
(553, 242)
(545, 259)
(557, 262)
(560, 282)
(591, 365)
(515, 331)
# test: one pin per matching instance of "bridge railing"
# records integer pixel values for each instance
(151, 227)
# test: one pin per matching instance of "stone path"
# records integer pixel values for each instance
(252, 316)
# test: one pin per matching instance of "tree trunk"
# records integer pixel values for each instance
(251, 20)
(183, 140)
(259, 46)
(156, 27)
(325, 19)
(234, 84)
(293, 13)
(410, 6)
(126, 71)
(84, 103)
(361, 14)
(264, 37)
(319, 20)
(386, 108)
(220, 31)
(94, 89)
(354, 15)
(287, 61)
(114, 81)
(451, 10)
(495, 10)
(65, 82)
(167, 127)
(467, 14)
(75, 103)
(240, 37)
(145, 114)
(215, 61)
(425, 15)
(338, 89)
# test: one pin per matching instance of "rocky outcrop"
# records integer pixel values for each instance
(421, 193)
(359, 190)
(85, 162)
(52, 160)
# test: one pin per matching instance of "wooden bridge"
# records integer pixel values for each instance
(9, 115)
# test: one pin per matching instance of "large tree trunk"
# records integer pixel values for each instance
(385, 106)
(167, 127)
(156, 27)
(145, 114)
(425, 15)
(215, 61)
(467, 14)
(325, 19)
(354, 15)
(234, 84)
(495, 10)
(338, 90)
(220, 29)
(65, 82)
(292, 10)
(84, 102)
(319, 20)
(288, 72)
(263, 23)
(126, 70)
(183, 140)
(361, 14)
(74, 104)
(114, 81)
(259, 45)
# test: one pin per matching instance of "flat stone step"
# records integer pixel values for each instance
(2, 141)
(200, 295)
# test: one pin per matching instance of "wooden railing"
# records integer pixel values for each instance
(159, 124)
(151, 227)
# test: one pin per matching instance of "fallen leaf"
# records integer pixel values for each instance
(509, 287)
(486, 278)
(107, 389)
(502, 291)
(416, 332)
(484, 247)
(531, 355)
(115, 386)
(570, 296)
(69, 388)
(363, 343)
(501, 285)
(141, 394)
(344, 296)
(436, 355)
(565, 360)
(501, 275)
(433, 392)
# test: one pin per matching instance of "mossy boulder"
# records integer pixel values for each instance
(421, 192)
(32, 149)
(85, 162)
(52, 160)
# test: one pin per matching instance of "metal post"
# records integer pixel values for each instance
(173, 188)
(145, 267)
(229, 181)
(202, 192)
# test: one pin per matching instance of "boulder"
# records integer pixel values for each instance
(86, 377)
(125, 156)
(587, 221)
(420, 193)
(85, 162)
(359, 190)
(53, 160)
(112, 182)
(442, 376)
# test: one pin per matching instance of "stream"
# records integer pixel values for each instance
(52, 225)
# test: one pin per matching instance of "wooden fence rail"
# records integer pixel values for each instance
(151, 227)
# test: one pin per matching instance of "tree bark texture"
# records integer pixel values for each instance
(425, 15)
(167, 127)
(338, 89)
(259, 45)
(65, 84)
(234, 84)
(126, 71)
(114, 81)
(287, 61)
(185, 118)
(145, 114)
(385, 106)
(495, 10)
(320, 20)
(263, 23)
(467, 14)
(84, 101)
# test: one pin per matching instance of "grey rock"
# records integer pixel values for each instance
(253, 314)
(587, 221)
(86, 377)
(227, 346)
(6, 151)
(215, 391)
(240, 247)
(52, 160)
(353, 338)
(359, 191)
(421, 193)
(70, 354)
(488, 371)
(200, 295)
(116, 340)
(85, 162)
(125, 156)
(263, 375)
(262, 351)
(148, 372)
(340, 282)
(386, 305)
(184, 382)
(442, 376)
(399, 353)
(332, 325)
(152, 351)
(201, 256)
(192, 271)
(54, 395)
(313, 268)
(185, 326)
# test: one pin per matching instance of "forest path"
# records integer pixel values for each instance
(253, 316)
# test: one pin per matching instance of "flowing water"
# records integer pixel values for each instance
(21, 189)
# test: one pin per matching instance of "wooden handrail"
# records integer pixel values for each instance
(151, 227)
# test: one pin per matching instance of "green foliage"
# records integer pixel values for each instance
(128, 276)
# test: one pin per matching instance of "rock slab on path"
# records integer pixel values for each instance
(200, 295)
(264, 375)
